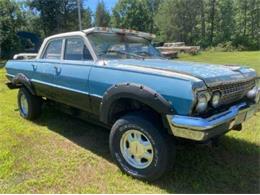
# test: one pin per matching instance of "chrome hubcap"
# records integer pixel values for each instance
(24, 105)
(136, 149)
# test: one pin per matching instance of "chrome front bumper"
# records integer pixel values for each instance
(202, 129)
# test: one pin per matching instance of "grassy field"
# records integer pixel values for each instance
(60, 154)
(251, 59)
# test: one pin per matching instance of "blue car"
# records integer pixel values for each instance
(116, 77)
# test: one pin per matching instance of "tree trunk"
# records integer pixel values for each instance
(203, 28)
(212, 20)
(245, 18)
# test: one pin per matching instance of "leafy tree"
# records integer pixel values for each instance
(247, 19)
(131, 14)
(10, 21)
(210, 22)
(178, 20)
(60, 15)
(153, 6)
(102, 16)
(231, 23)
(226, 20)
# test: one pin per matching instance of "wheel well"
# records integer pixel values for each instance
(20, 80)
(27, 87)
(123, 106)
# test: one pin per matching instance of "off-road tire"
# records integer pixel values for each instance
(163, 145)
(34, 104)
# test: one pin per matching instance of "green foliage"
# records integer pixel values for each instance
(177, 20)
(43, 17)
(59, 15)
(136, 14)
(132, 14)
(102, 16)
(10, 21)
(224, 25)
(226, 47)
(210, 22)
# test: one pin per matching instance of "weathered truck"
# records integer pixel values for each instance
(119, 79)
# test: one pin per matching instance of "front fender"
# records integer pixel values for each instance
(133, 91)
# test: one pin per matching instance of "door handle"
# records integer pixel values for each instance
(57, 69)
(34, 66)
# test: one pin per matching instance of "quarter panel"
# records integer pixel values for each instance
(13, 67)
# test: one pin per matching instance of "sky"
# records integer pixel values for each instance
(92, 4)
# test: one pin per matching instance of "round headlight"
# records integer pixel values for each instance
(202, 103)
(252, 93)
(215, 99)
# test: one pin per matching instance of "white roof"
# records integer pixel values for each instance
(104, 29)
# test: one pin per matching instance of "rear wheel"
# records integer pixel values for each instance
(139, 147)
(29, 105)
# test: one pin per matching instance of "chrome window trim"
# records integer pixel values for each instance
(46, 46)
(85, 41)
(80, 34)
(91, 50)
(63, 48)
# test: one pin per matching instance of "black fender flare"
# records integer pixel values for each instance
(21, 80)
(133, 91)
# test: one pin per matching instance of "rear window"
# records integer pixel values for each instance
(53, 50)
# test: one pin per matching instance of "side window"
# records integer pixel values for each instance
(76, 50)
(53, 50)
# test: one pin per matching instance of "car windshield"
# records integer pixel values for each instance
(121, 46)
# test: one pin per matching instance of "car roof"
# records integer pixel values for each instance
(104, 29)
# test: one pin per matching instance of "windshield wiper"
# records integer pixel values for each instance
(126, 53)
(148, 55)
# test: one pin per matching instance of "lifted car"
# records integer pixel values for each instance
(118, 78)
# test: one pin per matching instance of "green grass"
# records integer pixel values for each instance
(60, 154)
(251, 59)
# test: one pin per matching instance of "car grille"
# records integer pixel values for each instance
(233, 92)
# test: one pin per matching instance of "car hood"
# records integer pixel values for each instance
(211, 74)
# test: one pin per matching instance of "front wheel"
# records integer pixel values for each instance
(139, 148)
(29, 105)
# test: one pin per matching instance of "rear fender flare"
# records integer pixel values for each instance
(21, 80)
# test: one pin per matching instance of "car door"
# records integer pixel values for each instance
(72, 74)
(45, 69)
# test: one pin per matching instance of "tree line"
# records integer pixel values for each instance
(208, 23)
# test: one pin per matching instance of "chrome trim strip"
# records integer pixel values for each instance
(10, 75)
(160, 71)
(66, 88)
(58, 86)
(96, 95)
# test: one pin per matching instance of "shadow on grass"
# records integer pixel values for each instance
(232, 167)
